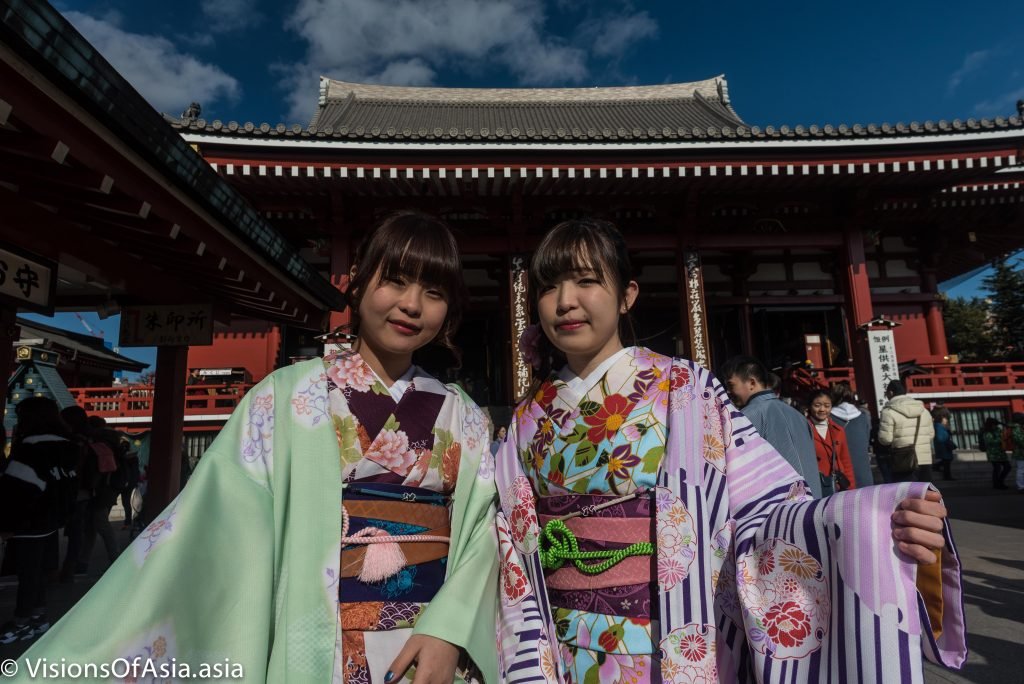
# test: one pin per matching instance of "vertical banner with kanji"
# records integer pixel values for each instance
(884, 367)
(522, 374)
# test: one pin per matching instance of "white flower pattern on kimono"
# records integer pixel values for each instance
(677, 540)
(257, 443)
(155, 533)
(688, 655)
(309, 403)
(391, 450)
(349, 370)
(155, 649)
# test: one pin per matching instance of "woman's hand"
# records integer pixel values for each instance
(917, 527)
(435, 660)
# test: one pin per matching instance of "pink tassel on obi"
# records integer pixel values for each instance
(384, 557)
(382, 560)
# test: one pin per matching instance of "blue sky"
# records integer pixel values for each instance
(791, 63)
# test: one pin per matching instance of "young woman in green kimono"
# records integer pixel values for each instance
(341, 526)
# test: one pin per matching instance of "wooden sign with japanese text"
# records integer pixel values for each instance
(27, 281)
(522, 374)
(884, 367)
(166, 326)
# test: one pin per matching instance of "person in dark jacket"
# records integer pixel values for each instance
(89, 477)
(944, 446)
(781, 425)
(857, 424)
(105, 494)
(37, 492)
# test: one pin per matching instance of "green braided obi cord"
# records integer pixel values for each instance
(558, 544)
(600, 574)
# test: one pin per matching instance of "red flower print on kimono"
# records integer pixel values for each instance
(525, 530)
(513, 583)
(786, 595)
(609, 418)
(546, 394)
(680, 377)
(787, 624)
(450, 465)
(688, 655)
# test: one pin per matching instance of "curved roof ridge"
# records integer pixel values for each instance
(334, 90)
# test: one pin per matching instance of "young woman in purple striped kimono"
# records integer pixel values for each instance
(648, 533)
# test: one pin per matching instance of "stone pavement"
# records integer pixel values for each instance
(988, 526)
(989, 529)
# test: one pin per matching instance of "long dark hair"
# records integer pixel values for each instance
(584, 244)
(418, 247)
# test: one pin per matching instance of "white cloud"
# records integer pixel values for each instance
(972, 62)
(406, 42)
(1003, 105)
(613, 34)
(167, 78)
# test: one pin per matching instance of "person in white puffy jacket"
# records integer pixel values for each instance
(901, 419)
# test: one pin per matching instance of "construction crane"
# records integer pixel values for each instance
(87, 327)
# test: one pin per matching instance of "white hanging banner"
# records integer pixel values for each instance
(884, 366)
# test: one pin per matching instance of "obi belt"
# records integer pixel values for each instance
(600, 568)
(394, 543)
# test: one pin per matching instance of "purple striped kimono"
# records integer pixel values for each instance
(755, 581)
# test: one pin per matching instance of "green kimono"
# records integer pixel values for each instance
(242, 569)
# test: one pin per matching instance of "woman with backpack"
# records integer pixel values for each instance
(105, 449)
(37, 492)
(992, 442)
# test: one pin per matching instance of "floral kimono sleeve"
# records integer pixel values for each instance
(526, 636)
(463, 611)
(196, 586)
(819, 587)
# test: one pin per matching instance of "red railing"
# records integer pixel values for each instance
(968, 377)
(937, 377)
(137, 400)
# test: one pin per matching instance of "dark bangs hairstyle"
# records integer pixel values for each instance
(572, 246)
(417, 247)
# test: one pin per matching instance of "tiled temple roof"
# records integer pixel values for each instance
(678, 112)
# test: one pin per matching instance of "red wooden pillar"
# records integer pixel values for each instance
(164, 474)
(933, 314)
(859, 310)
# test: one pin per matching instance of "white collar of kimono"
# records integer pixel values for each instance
(401, 384)
(424, 381)
(579, 387)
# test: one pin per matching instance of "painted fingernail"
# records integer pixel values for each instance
(389, 676)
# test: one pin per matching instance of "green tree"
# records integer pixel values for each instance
(968, 329)
(1006, 283)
